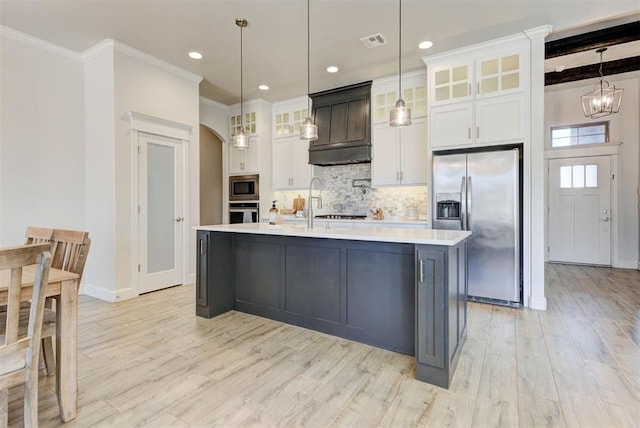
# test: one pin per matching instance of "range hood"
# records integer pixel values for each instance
(343, 116)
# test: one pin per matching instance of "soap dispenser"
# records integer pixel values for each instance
(273, 213)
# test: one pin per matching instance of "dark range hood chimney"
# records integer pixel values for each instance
(343, 116)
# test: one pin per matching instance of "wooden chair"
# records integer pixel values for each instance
(69, 249)
(20, 339)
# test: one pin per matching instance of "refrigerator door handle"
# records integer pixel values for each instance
(469, 202)
(463, 202)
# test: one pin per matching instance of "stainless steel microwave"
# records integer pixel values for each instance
(244, 187)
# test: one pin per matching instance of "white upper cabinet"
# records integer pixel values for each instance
(384, 94)
(499, 73)
(250, 123)
(290, 155)
(288, 117)
(247, 160)
(291, 169)
(256, 159)
(399, 153)
(451, 82)
(478, 95)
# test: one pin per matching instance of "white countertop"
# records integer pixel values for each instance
(378, 234)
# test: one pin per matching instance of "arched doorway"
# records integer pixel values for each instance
(211, 177)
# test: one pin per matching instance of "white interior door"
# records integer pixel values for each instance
(161, 222)
(580, 210)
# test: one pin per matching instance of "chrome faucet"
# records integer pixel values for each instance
(311, 198)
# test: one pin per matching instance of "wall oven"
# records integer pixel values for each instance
(244, 212)
(244, 187)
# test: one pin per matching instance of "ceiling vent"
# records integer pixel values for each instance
(374, 40)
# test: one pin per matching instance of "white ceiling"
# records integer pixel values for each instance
(275, 39)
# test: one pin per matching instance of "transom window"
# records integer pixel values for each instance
(574, 135)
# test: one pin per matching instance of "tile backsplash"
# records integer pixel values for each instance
(348, 190)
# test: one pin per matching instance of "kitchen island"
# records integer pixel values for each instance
(400, 289)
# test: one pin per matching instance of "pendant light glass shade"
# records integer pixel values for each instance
(604, 100)
(400, 115)
(240, 140)
(308, 130)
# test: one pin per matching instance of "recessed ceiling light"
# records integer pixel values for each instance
(195, 55)
(425, 45)
(263, 87)
(332, 69)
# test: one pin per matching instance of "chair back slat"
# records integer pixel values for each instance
(38, 235)
(69, 248)
(14, 259)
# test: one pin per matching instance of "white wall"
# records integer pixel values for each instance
(136, 84)
(99, 163)
(562, 107)
(41, 137)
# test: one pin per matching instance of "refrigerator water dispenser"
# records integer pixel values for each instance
(448, 206)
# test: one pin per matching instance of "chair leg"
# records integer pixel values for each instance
(48, 355)
(31, 400)
(4, 408)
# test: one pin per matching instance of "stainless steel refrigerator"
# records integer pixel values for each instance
(480, 192)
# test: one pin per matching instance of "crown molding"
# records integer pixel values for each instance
(501, 41)
(39, 43)
(110, 44)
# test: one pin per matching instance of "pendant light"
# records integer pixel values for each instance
(308, 130)
(604, 100)
(240, 140)
(401, 114)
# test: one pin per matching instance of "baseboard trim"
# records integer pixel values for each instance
(108, 295)
(626, 264)
(538, 303)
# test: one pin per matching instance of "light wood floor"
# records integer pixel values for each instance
(150, 362)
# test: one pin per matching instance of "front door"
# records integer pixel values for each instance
(161, 225)
(580, 210)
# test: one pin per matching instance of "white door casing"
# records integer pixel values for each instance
(580, 210)
(160, 217)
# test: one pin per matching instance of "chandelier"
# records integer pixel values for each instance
(604, 100)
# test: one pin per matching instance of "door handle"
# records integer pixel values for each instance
(605, 218)
(463, 203)
(421, 273)
(179, 219)
(469, 203)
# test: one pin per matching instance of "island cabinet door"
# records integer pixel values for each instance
(214, 286)
(430, 311)
(201, 268)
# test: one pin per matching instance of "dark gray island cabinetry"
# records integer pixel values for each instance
(398, 289)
